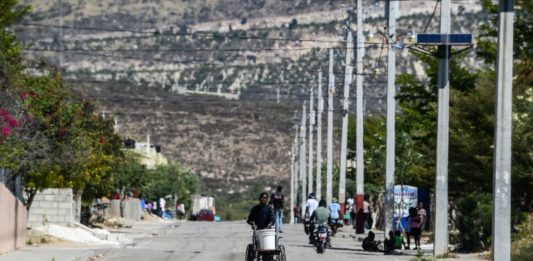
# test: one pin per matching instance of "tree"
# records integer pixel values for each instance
(51, 136)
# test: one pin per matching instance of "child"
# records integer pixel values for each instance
(398, 240)
(369, 243)
(389, 243)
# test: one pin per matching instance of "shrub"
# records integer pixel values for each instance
(474, 222)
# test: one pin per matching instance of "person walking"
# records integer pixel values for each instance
(296, 211)
(276, 200)
(367, 211)
(408, 226)
(423, 214)
(350, 210)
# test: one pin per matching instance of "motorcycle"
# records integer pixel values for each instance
(335, 224)
(307, 225)
(321, 238)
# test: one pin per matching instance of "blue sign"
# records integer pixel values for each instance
(444, 39)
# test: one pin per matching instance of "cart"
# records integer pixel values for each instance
(253, 251)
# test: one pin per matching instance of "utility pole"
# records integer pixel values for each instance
(311, 123)
(60, 35)
(331, 92)
(501, 206)
(345, 108)
(296, 162)
(293, 174)
(441, 178)
(391, 9)
(360, 178)
(319, 138)
(302, 156)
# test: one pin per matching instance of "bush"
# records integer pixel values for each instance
(522, 247)
(522, 250)
(474, 222)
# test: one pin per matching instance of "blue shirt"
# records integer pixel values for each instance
(334, 209)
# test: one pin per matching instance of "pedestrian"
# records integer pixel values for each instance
(180, 210)
(423, 214)
(276, 200)
(408, 225)
(296, 213)
(162, 206)
(416, 224)
(367, 213)
(350, 210)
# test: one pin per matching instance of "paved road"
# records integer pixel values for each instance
(228, 240)
(205, 241)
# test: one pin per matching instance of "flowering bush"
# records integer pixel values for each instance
(7, 122)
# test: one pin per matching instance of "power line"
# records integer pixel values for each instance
(432, 15)
(157, 33)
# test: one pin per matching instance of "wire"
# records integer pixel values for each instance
(432, 15)
(157, 33)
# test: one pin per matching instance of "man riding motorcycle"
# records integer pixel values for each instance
(335, 213)
(320, 216)
(310, 207)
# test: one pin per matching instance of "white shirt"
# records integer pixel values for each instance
(366, 207)
(162, 203)
(311, 205)
(349, 201)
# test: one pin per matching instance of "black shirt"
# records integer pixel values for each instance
(277, 199)
(261, 215)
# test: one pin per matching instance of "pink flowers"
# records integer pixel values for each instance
(5, 131)
(9, 121)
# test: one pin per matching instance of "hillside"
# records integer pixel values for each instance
(202, 77)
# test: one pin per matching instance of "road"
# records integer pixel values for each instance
(205, 241)
(228, 240)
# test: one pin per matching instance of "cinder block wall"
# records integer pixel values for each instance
(12, 221)
(52, 205)
(129, 209)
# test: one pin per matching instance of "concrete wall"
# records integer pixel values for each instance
(54, 206)
(128, 208)
(12, 221)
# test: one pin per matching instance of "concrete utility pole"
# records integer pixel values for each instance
(296, 162)
(441, 178)
(391, 9)
(501, 206)
(291, 154)
(345, 108)
(331, 92)
(319, 138)
(360, 178)
(302, 156)
(311, 123)
(60, 35)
